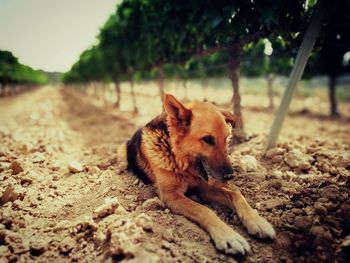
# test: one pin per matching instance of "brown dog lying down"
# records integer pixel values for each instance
(184, 149)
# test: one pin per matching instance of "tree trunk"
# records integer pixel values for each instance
(106, 96)
(133, 97)
(234, 63)
(185, 89)
(161, 83)
(234, 51)
(117, 92)
(270, 80)
(7, 90)
(332, 95)
(95, 89)
(85, 90)
(3, 90)
(205, 89)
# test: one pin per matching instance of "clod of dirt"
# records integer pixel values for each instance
(109, 207)
(269, 204)
(15, 242)
(67, 244)
(120, 210)
(283, 240)
(16, 168)
(297, 159)
(99, 237)
(92, 169)
(274, 152)
(248, 163)
(55, 166)
(342, 160)
(84, 229)
(168, 235)
(153, 204)
(75, 167)
(321, 233)
(113, 161)
(3, 151)
(274, 183)
(122, 239)
(145, 257)
(9, 195)
(331, 192)
(37, 247)
(136, 182)
(277, 159)
(166, 244)
(129, 197)
(24, 149)
(38, 158)
(26, 180)
(4, 252)
(103, 166)
(275, 155)
(144, 221)
(320, 210)
(303, 222)
(64, 224)
(323, 167)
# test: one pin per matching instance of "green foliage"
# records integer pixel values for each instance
(214, 65)
(89, 67)
(257, 63)
(187, 38)
(335, 42)
(13, 72)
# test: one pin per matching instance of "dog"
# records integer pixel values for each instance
(185, 148)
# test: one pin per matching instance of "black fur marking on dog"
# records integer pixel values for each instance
(188, 119)
(159, 123)
(133, 153)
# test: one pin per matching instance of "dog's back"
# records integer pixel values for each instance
(135, 157)
(153, 137)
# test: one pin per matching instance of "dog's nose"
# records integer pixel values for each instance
(227, 170)
(227, 177)
(227, 173)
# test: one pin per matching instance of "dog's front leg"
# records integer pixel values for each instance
(225, 238)
(255, 224)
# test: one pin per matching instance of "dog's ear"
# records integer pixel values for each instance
(230, 118)
(178, 113)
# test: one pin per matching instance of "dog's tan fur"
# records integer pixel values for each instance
(164, 152)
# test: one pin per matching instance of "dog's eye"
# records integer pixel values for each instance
(209, 140)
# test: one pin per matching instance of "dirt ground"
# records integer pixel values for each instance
(65, 197)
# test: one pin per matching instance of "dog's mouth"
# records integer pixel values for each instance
(203, 169)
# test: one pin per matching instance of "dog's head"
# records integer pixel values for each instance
(199, 133)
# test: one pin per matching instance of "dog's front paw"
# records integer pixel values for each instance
(258, 226)
(229, 241)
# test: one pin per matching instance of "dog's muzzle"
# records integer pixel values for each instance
(222, 174)
(227, 177)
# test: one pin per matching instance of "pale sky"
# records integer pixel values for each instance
(51, 34)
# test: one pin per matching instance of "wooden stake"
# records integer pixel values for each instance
(298, 69)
